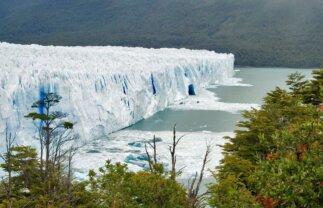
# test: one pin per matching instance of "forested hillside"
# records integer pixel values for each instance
(258, 32)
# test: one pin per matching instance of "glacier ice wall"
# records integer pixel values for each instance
(104, 89)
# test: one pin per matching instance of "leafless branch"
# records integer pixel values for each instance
(172, 150)
(197, 200)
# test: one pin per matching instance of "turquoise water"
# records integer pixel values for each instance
(262, 80)
(189, 121)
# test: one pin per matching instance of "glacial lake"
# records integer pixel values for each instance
(258, 82)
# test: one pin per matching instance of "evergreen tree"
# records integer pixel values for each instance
(297, 83)
(314, 92)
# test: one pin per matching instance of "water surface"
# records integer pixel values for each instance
(189, 121)
(261, 81)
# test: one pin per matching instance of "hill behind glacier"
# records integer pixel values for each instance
(258, 32)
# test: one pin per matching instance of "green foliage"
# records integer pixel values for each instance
(296, 83)
(28, 189)
(68, 125)
(154, 190)
(275, 159)
(291, 175)
(292, 179)
(25, 182)
(314, 92)
(231, 192)
(49, 117)
(279, 111)
(25, 164)
(115, 186)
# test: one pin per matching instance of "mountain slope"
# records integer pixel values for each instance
(258, 32)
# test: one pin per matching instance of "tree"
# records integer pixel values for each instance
(55, 132)
(172, 150)
(313, 93)
(7, 158)
(25, 179)
(297, 83)
(291, 175)
(154, 166)
(116, 186)
(196, 199)
(231, 192)
(274, 160)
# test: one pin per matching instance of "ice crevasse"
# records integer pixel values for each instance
(103, 89)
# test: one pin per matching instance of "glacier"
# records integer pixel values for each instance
(103, 88)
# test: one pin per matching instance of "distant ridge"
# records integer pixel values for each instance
(259, 32)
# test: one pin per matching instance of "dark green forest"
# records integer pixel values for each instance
(259, 32)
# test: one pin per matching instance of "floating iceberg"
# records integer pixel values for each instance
(104, 89)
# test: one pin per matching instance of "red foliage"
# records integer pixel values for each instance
(258, 197)
(268, 202)
(300, 156)
(268, 156)
(320, 108)
(291, 129)
(303, 147)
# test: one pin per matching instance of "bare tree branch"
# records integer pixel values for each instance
(172, 150)
(197, 200)
(148, 156)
